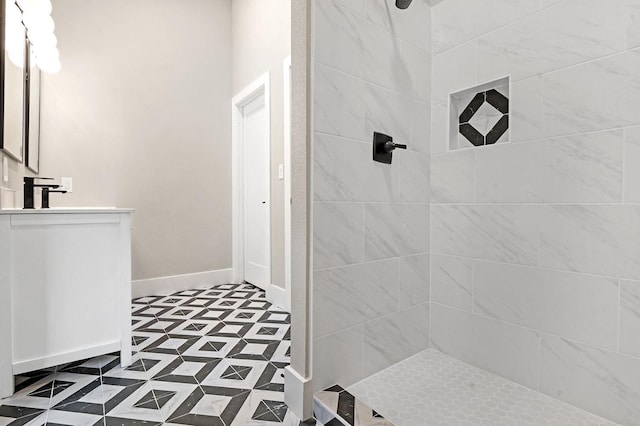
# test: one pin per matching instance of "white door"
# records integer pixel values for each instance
(257, 245)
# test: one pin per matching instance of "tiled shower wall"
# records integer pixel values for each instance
(371, 221)
(535, 265)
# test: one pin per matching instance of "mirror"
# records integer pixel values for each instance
(12, 80)
(32, 114)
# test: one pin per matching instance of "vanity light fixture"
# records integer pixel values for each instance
(36, 17)
(14, 34)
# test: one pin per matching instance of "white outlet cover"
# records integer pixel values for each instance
(67, 184)
(280, 171)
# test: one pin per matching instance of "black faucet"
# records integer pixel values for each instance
(45, 195)
(29, 189)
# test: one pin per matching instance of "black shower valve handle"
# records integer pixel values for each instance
(390, 146)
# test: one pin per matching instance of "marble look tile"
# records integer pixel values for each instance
(453, 177)
(452, 281)
(504, 233)
(338, 234)
(395, 337)
(630, 318)
(350, 43)
(605, 383)
(393, 230)
(457, 21)
(439, 129)
(454, 70)
(337, 358)
(631, 162)
(396, 115)
(413, 176)
(344, 171)
(503, 349)
(339, 103)
(525, 109)
(413, 280)
(357, 6)
(407, 25)
(569, 33)
(633, 24)
(575, 306)
(350, 295)
(594, 239)
(575, 169)
(572, 103)
(421, 128)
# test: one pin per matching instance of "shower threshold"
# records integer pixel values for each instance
(432, 388)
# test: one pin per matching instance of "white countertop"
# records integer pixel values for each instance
(66, 210)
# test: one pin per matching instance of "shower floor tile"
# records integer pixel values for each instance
(431, 388)
(201, 357)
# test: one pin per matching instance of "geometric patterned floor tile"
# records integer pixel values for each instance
(245, 315)
(145, 365)
(95, 366)
(154, 401)
(210, 405)
(187, 369)
(272, 378)
(29, 378)
(266, 331)
(210, 356)
(76, 419)
(222, 376)
(259, 350)
(198, 327)
(230, 329)
(10, 414)
(282, 352)
(212, 347)
(172, 344)
(262, 408)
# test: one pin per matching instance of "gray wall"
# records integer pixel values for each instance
(536, 253)
(261, 41)
(139, 117)
(370, 221)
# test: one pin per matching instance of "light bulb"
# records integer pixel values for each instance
(16, 56)
(31, 19)
(14, 30)
(48, 55)
(24, 4)
(14, 16)
(50, 67)
(40, 37)
(42, 7)
(44, 40)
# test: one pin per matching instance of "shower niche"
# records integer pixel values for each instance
(479, 115)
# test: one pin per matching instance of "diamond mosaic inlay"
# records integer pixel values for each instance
(479, 116)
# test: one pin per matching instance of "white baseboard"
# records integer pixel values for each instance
(298, 393)
(168, 285)
(59, 359)
(278, 296)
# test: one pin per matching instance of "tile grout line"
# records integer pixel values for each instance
(539, 332)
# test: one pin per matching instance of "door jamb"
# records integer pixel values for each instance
(287, 182)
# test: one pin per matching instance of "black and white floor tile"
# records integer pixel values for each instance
(201, 357)
(336, 406)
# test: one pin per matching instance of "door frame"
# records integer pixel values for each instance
(287, 181)
(259, 87)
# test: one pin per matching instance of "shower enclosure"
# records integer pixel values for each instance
(493, 269)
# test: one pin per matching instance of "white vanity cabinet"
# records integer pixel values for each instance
(65, 288)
